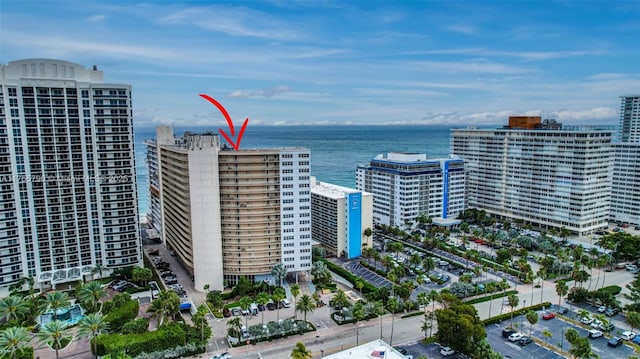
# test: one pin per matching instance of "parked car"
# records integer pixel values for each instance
(636, 339)
(226, 312)
(612, 312)
(614, 342)
(563, 310)
(236, 312)
(515, 337)
(602, 309)
(628, 335)
(593, 334)
(224, 355)
(166, 273)
(524, 341)
(506, 332)
(271, 306)
(447, 351)
(285, 303)
(261, 307)
(606, 327)
(586, 320)
(548, 315)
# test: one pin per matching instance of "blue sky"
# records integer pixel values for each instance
(335, 62)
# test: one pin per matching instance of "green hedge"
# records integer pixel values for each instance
(119, 316)
(414, 314)
(613, 289)
(368, 287)
(167, 336)
(491, 297)
(24, 353)
(502, 317)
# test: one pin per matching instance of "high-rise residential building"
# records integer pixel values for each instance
(67, 170)
(231, 213)
(340, 217)
(625, 185)
(408, 185)
(550, 178)
(630, 119)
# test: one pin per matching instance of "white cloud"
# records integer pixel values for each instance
(236, 21)
(266, 93)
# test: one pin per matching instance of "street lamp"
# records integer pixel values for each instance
(321, 353)
(524, 304)
(562, 342)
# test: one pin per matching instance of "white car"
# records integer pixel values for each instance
(515, 337)
(593, 334)
(628, 335)
(446, 351)
(602, 309)
(224, 355)
(586, 320)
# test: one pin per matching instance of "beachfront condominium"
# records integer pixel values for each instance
(67, 171)
(630, 119)
(549, 176)
(408, 185)
(625, 185)
(230, 213)
(340, 217)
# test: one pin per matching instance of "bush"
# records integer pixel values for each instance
(118, 316)
(613, 289)
(491, 297)
(166, 337)
(368, 287)
(578, 295)
(24, 353)
(505, 316)
(139, 325)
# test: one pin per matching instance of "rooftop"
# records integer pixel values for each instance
(374, 349)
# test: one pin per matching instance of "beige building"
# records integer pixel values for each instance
(231, 213)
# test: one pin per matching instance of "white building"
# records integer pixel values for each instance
(551, 178)
(630, 119)
(67, 166)
(231, 213)
(625, 186)
(376, 349)
(407, 185)
(340, 217)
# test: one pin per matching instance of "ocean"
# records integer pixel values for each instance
(336, 151)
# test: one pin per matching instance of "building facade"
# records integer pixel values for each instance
(630, 119)
(625, 185)
(339, 217)
(407, 185)
(231, 213)
(546, 177)
(68, 194)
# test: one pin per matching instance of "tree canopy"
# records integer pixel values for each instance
(458, 320)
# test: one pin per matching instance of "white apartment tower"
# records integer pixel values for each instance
(630, 119)
(407, 185)
(551, 178)
(67, 171)
(339, 218)
(231, 213)
(625, 185)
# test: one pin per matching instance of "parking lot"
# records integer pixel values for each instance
(557, 327)
(430, 351)
(368, 275)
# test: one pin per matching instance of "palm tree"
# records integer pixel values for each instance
(278, 295)
(295, 292)
(305, 306)
(13, 339)
(279, 271)
(513, 302)
(245, 303)
(200, 320)
(235, 325)
(262, 298)
(91, 293)
(340, 299)
(547, 335)
(378, 309)
(359, 285)
(426, 325)
(561, 289)
(13, 308)
(92, 325)
(532, 318)
(358, 313)
(97, 269)
(301, 352)
(53, 333)
(56, 300)
(394, 306)
(166, 305)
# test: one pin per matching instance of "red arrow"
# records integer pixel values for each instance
(217, 104)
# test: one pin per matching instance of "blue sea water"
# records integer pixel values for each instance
(335, 151)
